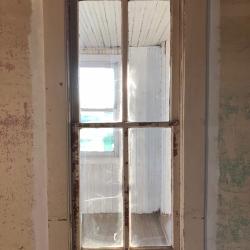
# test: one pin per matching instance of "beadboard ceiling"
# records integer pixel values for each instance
(100, 23)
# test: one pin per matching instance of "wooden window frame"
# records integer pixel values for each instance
(188, 107)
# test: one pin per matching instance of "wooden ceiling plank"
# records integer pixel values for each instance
(147, 21)
(97, 15)
(90, 23)
(143, 25)
(153, 22)
(88, 39)
(85, 40)
(161, 27)
(100, 23)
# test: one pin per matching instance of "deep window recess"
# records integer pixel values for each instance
(121, 110)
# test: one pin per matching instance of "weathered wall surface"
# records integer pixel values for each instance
(233, 225)
(33, 126)
(229, 128)
(15, 128)
(23, 168)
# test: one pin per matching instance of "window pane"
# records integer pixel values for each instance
(97, 87)
(149, 61)
(100, 60)
(97, 140)
(96, 116)
(101, 199)
(150, 187)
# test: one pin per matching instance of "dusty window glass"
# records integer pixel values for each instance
(150, 173)
(150, 187)
(110, 142)
(101, 154)
(99, 61)
(101, 198)
(149, 61)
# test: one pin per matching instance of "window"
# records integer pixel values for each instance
(124, 200)
(103, 76)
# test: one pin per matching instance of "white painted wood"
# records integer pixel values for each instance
(100, 23)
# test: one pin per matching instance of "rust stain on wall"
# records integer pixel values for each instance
(7, 66)
(175, 145)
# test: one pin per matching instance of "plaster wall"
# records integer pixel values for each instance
(23, 161)
(228, 199)
(33, 126)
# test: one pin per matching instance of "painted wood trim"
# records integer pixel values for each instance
(175, 60)
(129, 124)
(192, 122)
(124, 42)
(132, 248)
(72, 47)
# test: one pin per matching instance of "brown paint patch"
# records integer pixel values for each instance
(7, 66)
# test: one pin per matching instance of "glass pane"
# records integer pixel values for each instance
(150, 187)
(149, 61)
(96, 116)
(97, 140)
(100, 60)
(101, 199)
(97, 78)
